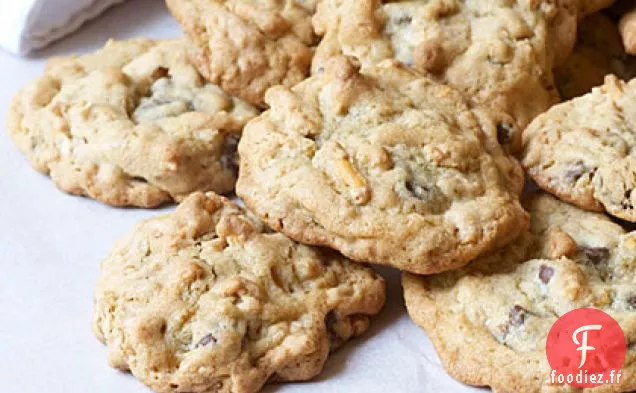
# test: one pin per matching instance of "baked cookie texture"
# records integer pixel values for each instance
(133, 124)
(385, 166)
(499, 54)
(598, 52)
(205, 300)
(489, 321)
(582, 150)
(248, 46)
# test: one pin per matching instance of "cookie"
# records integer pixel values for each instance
(627, 27)
(489, 321)
(205, 300)
(385, 166)
(581, 150)
(598, 52)
(133, 124)
(499, 54)
(247, 46)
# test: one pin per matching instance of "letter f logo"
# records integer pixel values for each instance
(583, 344)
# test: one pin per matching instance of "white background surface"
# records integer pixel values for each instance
(51, 245)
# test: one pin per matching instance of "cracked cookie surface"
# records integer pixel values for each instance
(598, 53)
(248, 46)
(385, 166)
(583, 150)
(133, 124)
(204, 300)
(489, 321)
(497, 53)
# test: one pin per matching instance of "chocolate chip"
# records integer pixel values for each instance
(545, 274)
(632, 301)
(435, 200)
(331, 319)
(422, 191)
(626, 203)
(517, 316)
(575, 171)
(230, 158)
(504, 133)
(596, 255)
(207, 339)
(403, 20)
(159, 73)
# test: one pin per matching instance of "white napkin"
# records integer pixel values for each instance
(26, 25)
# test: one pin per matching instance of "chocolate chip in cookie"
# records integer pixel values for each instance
(596, 255)
(575, 171)
(517, 316)
(546, 273)
(205, 340)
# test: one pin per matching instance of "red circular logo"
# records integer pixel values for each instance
(586, 348)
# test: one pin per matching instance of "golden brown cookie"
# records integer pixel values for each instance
(205, 300)
(248, 46)
(498, 54)
(582, 150)
(133, 124)
(384, 165)
(489, 321)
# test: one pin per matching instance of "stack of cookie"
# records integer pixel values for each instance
(354, 132)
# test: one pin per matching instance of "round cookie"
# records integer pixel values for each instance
(204, 300)
(133, 124)
(489, 321)
(385, 166)
(583, 150)
(598, 53)
(499, 54)
(247, 46)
